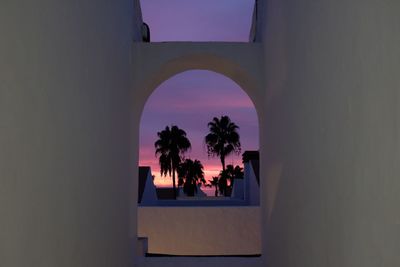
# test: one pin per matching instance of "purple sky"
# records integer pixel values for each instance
(191, 99)
(198, 20)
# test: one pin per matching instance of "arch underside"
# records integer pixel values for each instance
(157, 62)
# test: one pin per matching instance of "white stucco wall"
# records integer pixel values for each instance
(332, 133)
(149, 196)
(253, 192)
(137, 21)
(238, 189)
(251, 187)
(201, 230)
(329, 132)
(64, 133)
(157, 62)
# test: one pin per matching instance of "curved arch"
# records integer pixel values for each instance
(157, 63)
(201, 61)
(173, 99)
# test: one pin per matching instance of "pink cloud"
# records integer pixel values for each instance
(177, 102)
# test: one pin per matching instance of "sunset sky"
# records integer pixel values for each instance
(192, 98)
(198, 20)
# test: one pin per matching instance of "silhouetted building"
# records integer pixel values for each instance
(248, 188)
(146, 190)
(166, 193)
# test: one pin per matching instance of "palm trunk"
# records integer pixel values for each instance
(173, 182)
(223, 162)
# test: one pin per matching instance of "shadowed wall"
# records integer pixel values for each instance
(64, 139)
(332, 129)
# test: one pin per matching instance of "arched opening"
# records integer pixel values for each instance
(173, 226)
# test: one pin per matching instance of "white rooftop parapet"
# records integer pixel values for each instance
(238, 189)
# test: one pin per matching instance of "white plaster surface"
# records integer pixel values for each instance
(238, 189)
(201, 230)
(65, 77)
(199, 261)
(328, 107)
(331, 137)
(149, 196)
(156, 62)
(252, 189)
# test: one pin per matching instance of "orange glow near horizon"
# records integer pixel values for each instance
(166, 181)
(190, 100)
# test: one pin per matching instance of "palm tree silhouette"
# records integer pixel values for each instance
(234, 173)
(171, 146)
(191, 172)
(223, 138)
(214, 182)
(223, 183)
